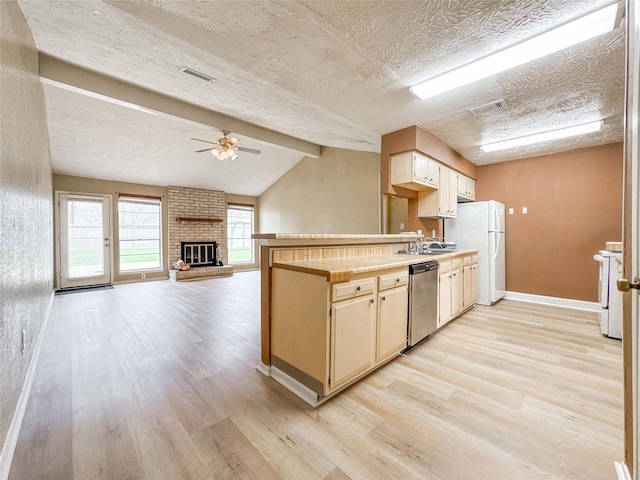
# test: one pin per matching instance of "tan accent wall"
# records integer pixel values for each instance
(335, 193)
(26, 211)
(574, 203)
(415, 138)
(67, 183)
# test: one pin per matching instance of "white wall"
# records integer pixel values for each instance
(335, 193)
(26, 208)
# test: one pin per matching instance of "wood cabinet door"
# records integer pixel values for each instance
(434, 174)
(471, 188)
(474, 283)
(392, 322)
(444, 298)
(453, 194)
(443, 192)
(467, 274)
(457, 289)
(420, 169)
(352, 339)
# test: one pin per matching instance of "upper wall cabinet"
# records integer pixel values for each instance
(414, 171)
(466, 189)
(440, 203)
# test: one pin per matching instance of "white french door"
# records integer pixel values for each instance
(84, 245)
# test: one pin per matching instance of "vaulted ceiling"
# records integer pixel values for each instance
(290, 76)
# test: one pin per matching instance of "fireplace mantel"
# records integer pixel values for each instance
(203, 220)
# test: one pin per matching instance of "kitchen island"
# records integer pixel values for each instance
(334, 307)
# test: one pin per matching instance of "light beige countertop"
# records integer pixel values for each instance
(342, 269)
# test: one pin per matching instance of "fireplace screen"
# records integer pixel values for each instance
(199, 254)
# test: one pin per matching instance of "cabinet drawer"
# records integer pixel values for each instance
(444, 267)
(456, 263)
(391, 280)
(352, 289)
(474, 259)
(467, 260)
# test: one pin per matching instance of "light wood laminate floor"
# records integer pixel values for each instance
(157, 380)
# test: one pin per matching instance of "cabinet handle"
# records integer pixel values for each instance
(358, 288)
(383, 298)
(371, 301)
(397, 280)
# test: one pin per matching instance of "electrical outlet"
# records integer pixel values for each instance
(402, 226)
(143, 276)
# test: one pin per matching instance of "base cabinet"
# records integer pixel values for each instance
(327, 335)
(456, 284)
(470, 280)
(467, 274)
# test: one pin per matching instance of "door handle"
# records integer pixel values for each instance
(624, 285)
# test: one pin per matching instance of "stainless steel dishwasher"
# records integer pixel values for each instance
(423, 301)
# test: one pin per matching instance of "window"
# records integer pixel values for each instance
(239, 230)
(139, 220)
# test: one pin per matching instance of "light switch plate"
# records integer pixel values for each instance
(511, 211)
(524, 209)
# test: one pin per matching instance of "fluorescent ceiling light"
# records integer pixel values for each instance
(544, 137)
(584, 28)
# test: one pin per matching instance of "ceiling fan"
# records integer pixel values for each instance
(225, 147)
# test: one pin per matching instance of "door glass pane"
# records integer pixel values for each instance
(85, 238)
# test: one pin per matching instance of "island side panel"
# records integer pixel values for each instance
(300, 326)
(265, 305)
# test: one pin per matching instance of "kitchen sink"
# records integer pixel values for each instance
(425, 252)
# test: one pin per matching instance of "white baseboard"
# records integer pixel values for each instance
(622, 471)
(139, 280)
(263, 369)
(291, 384)
(553, 301)
(10, 442)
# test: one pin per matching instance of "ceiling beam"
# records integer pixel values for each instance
(86, 82)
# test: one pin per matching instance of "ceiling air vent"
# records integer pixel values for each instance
(489, 107)
(199, 75)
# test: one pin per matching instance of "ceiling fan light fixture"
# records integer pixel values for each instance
(544, 136)
(567, 35)
(225, 147)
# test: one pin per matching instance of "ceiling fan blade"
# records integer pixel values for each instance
(249, 150)
(205, 150)
(205, 141)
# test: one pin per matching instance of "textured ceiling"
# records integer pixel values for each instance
(334, 73)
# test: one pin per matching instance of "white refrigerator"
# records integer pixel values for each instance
(480, 226)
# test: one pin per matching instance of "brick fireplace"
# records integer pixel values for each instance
(197, 216)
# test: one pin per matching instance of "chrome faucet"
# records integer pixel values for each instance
(416, 245)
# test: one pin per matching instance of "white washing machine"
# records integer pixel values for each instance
(609, 297)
